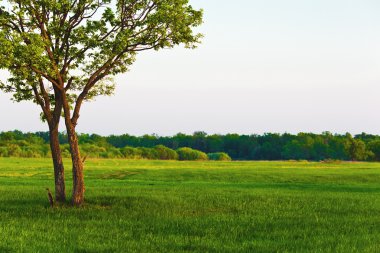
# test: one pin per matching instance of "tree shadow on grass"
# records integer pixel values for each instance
(125, 202)
(94, 251)
(5, 249)
(121, 175)
(19, 204)
(39, 207)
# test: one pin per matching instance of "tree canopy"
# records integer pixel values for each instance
(75, 44)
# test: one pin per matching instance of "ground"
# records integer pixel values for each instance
(158, 206)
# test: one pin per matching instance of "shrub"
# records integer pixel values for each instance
(65, 149)
(189, 154)
(3, 152)
(131, 153)
(14, 150)
(148, 153)
(111, 153)
(32, 151)
(165, 153)
(90, 150)
(221, 156)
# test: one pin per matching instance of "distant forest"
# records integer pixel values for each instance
(303, 146)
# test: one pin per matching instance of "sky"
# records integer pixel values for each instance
(264, 66)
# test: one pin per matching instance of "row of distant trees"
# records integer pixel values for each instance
(303, 146)
(18, 144)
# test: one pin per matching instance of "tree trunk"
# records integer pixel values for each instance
(78, 178)
(53, 119)
(59, 172)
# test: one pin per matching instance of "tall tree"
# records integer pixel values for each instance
(61, 53)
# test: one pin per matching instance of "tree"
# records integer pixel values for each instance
(61, 53)
(357, 150)
(374, 147)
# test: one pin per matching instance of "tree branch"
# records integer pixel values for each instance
(45, 95)
(41, 103)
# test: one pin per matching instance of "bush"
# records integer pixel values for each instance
(111, 153)
(189, 154)
(32, 151)
(165, 153)
(131, 153)
(14, 150)
(221, 156)
(90, 150)
(3, 152)
(65, 149)
(148, 153)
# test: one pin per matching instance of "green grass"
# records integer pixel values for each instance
(157, 206)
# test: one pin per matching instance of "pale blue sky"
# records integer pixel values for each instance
(264, 66)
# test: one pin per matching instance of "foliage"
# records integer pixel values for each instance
(148, 153)
(189, 154)
(165, 153)
(374, 147)
(357, 150)
(221, 156)
(131, 153)
(70, 50)
(303, 146)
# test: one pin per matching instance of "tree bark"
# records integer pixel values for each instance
(59, 172)
(78, 177)
(53, 118)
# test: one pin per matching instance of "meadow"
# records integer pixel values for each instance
(172, 206)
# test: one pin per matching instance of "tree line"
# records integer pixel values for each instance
(18, 144)
(270, 146)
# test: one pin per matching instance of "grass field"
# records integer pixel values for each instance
(157, 206)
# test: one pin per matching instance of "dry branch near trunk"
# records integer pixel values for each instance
(50, 197)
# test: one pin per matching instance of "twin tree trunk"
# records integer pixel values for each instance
(59, 175)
